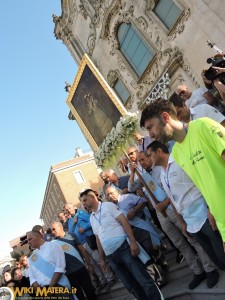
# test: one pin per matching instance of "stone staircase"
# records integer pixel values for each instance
(178, 278)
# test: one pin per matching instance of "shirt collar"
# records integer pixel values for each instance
(99, 206)
(192, 111)
(170, 161)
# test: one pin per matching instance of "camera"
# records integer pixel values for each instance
(211, 73)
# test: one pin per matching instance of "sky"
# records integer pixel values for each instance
(35, 130)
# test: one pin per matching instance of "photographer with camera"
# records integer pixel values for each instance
(216, 74)
(219, 82)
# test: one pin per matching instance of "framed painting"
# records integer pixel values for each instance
(93, 103)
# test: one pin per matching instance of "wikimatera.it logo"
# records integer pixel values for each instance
(40, 292)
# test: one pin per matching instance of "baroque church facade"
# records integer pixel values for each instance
(144, 49)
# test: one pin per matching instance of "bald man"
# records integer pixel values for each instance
(47, 265)
(199, 96)
(121, 183)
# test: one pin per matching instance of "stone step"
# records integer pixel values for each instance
(117, 292)
(178, 278)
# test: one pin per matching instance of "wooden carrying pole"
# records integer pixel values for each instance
(156, 201)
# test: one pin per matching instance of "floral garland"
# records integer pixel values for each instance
(115, 141)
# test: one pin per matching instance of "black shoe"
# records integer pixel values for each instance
(163, 247)
(110, 284)
(179, 258)
(197, 280)
(163, 264)
(161, 260)
(212, 278)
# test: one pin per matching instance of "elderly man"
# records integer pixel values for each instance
(198, 96)
(119, 182)
(75, 267)
(47, 265)
(64, 220)
(199, 150)
(111, 228)
(131, 205)
(71, 210)
(132, 152)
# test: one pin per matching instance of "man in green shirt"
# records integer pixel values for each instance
(199, 150)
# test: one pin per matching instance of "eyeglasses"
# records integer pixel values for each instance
(129, 154)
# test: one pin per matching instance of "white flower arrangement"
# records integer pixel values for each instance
(115, 141)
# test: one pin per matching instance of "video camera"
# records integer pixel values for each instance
(211, 73)
(218, 61)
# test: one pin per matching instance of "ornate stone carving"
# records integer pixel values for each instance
(179, 26)
(112, 77)
(122, 17)
(165, 61)
(129, 103)
(150, 4)
(64, 24)
(111, 11)
(95, 10)
(56, 19)
(91, 39)
(188, 70)
(152, 32)
(142, 22)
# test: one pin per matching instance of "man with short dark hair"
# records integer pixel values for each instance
(111, 228)
(199, 150)
(186, 114)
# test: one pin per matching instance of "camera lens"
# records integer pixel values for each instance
(209, 60)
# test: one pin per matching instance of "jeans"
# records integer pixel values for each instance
(133, 274)
(212, 243)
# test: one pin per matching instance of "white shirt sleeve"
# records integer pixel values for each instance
(213, 113)
(58, 258)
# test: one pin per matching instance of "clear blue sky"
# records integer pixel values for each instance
(35, 130)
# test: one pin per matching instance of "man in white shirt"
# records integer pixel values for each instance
(47, 266)
(186, 114)
(191, 205)
(111, 229)
(198, 96)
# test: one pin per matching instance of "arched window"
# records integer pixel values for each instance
(168, 12)
(136, 51)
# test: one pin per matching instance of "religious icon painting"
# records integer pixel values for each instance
(93, 103)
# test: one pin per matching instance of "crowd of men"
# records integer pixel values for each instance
(173, 187)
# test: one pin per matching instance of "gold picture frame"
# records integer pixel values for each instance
(93, 103)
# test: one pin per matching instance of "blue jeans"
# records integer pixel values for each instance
(212, 243)
(133, 274)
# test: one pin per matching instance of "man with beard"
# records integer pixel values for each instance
(199, 150)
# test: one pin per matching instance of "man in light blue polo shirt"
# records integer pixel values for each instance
(111, 229)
